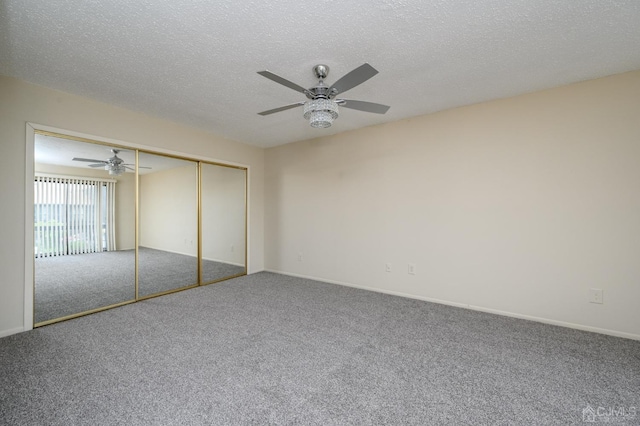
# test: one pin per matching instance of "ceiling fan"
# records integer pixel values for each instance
(322, 107)
(115, 165)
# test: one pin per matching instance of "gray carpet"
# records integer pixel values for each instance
(67, 285)
(271, 349)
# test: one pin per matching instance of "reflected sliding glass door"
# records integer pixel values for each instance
(84, 215)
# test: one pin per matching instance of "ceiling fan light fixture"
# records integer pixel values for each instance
(320, 112)
(115, 169)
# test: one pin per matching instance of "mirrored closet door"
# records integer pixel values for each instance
(167, 224)
(114, 225)
(84, 227)
(223, 192)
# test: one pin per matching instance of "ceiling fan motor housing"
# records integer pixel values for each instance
(321, 71)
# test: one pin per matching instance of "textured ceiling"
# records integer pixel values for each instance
(195, 62)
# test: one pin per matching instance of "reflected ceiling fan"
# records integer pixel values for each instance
(322, 107)
(115, 165)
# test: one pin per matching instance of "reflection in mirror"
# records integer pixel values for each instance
(223, 222)
(167, 224)
(84, 227)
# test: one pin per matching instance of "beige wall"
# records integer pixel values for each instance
(125, 219)
(169, 210)
(22, 102)
(518, 206)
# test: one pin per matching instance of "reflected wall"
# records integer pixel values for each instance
(223, 192)
(167, 225)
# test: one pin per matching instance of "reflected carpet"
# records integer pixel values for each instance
(66, 285)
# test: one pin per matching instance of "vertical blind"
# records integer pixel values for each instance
(73, 215)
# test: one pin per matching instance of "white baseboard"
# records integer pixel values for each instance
(194, 255)
(377, 290)
(226, 262)
(473, 307)
(170, 251)
(9, 332)
(559, 323)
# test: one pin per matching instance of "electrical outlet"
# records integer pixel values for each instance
(411, 269)
(387, 267)
(595, 295)
(299, 257)
(233, 248)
